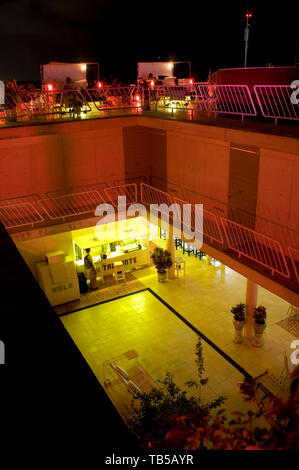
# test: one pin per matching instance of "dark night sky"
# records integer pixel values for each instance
(118, 34)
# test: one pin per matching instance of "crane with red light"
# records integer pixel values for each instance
(248, 16)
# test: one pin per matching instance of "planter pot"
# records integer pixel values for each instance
(239, 325)
(258, 332)
(162, 277)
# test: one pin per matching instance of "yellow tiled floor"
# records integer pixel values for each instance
(162, 341)
(205, 297)
(165, 343)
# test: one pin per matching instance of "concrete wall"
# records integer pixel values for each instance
(191, 161)
(60, 157)
(198, 169)
(278, 190)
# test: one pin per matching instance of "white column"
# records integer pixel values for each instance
(251, 301)
(208, 259)
(171, 250)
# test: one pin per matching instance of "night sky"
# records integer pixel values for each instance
(118, 34)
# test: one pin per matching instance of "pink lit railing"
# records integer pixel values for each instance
(244, 241)
(210, 225)
(210, 228)
(70, 205)
(115, 97)
(14, 108)
(256, 246)
(227, 99)
(277, 101)
(294, 255)
(127, 190)
(253, 245)
(151, 195)
(274, 101)
(175, 97)
(43, 102)
(19, 215)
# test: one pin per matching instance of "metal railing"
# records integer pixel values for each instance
(41, 103)
(272, 101)
(127, 190)
(255, 246)
(244, 241)
(19, 215)
(277, 102)
(70, 205)
(210, 227)
(175, 97)
(294, 255)
(115, 97)
(226, 99)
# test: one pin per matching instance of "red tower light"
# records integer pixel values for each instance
(50, 87)
(248, 15)
(191, 81)
(99, 85)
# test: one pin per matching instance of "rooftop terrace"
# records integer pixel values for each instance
(266, 109)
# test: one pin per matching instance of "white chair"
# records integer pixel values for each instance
(120, 272)
(179, 266)
(100, 272)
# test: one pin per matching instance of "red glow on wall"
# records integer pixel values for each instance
(50, 87)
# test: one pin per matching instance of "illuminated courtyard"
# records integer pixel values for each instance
(161, 323)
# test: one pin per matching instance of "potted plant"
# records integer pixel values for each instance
(162, 261)
(239, 313)
(259, 316)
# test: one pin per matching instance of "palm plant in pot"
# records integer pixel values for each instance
(259, 316)
(162, 261)
(239, 313)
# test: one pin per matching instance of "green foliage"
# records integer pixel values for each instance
(161, 259)
(153, 414)
(239, 312)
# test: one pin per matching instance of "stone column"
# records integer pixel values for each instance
(171, 250)
(251, 301)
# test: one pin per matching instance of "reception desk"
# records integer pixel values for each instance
(131, 260)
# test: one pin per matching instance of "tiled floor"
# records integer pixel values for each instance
(205, 296)
(163, 342)
(108, 290)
